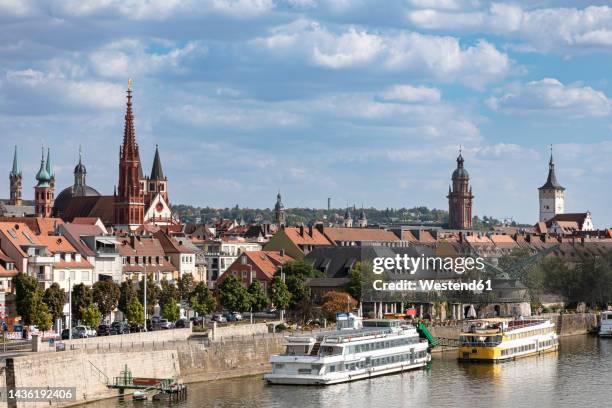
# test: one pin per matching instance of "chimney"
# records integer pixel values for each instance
(282, 252)
(302, 230)
(310, 230)
(319, 226)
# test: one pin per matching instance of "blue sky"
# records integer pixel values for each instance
(362, 101)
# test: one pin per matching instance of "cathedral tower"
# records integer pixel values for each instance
(129, 197)
(279, 211)
(43, 193)
(15, 182)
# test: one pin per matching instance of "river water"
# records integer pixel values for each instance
(579, 375)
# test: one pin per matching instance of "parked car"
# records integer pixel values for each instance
(181, 323)
(197, 321)
(120, 328)
(104, 330)
(65, 334)
(165, 324)
(91, 332)
(136, 328)
(80, 332)
(155, 321)
(219, 318)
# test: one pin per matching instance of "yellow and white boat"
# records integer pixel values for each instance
(499, 339)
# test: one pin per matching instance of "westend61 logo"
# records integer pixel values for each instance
(402, 264)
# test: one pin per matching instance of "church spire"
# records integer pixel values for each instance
(49, 167)
(551, 181)
(130, 147)
(15, 171)
(157, 173)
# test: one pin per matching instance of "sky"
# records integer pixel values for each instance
(366, 102)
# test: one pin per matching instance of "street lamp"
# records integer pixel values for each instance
(282, 313)
(145, 297)
(69, 308)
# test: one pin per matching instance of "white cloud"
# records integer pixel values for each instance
(410, 94)
(17, 8)
(543, 29)
(88, 93)
(443, 4)
(164, 9)
(443, 58)
(553, 97)
(130, 58)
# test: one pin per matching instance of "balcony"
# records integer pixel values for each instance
(41, 260)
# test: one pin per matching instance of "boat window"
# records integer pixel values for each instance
(330, 351)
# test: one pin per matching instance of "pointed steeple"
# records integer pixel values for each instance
(43, 176)
(130, 146)
(15, 171)
(157, 172)
(80, 172)
(49, 166)
(551, 181)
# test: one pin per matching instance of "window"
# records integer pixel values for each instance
(62, 275)
(84, 276)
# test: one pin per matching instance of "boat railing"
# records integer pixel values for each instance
(339, 338)
(499, 327)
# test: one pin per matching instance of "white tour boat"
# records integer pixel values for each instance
(605, 329)
(357, 350)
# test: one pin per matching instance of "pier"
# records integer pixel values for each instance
(165, 388)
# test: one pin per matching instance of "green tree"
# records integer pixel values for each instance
(43, 319)
(153, 293)
(280, 294)
(105, 294)
(171, 311)
(169, 293)
(26, 295)
(259, 300)
(202, 300)
(127, 293)
(301, 268)
(356, 280)
(55, 298)
(135, 312)
(91, 316)
(185, 285)
(233, 295)
(81, 300)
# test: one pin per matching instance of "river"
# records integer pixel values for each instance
(580, 374)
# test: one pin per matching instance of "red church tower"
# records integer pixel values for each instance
(460, 198)
(129, 197)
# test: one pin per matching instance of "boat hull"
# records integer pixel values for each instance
(509, 358)
(341, 377)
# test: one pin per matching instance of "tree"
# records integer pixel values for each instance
(185, 285)
(169, 293)
(171, 311)
(259, 300)
(55, 298)
(81, 300)
(280, 294)
(334, 302)
(300, 268)
(233, 295)
(153, 292)
(26, 294)
(127, 293)
(300, 291)
(135, 312)
(42, 318)
(91, 316)
(202, 300)
(354, 286)
(105, 295)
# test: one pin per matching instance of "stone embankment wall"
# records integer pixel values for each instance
(88, 371)
(228, 358)
(91, 364)
(223, 332)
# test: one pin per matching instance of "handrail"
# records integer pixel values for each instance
(100, 372)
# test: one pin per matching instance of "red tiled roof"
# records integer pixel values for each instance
(38, 225)
(56, 243)
(19, 234)
(305, 238)
(359, 234)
